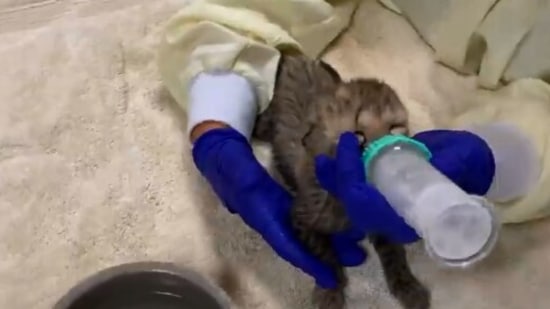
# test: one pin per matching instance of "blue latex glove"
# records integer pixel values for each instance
(344, 178)
(462, 156)
(225, 158)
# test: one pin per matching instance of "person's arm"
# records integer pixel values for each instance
(242, 38)
(514, 123)
(195, 49)
(221, 100)
(509, 146)
(219, 61)
(204, 127)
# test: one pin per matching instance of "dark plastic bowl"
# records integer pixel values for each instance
(144, 285)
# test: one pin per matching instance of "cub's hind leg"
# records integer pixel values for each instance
(402, 283)
(314, 227)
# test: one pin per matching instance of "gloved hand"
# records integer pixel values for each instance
(225, 159)
(462, 156)
(368, 211)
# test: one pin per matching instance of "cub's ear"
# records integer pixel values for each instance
(331, 71)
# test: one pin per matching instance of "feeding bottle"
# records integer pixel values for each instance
(458, 229)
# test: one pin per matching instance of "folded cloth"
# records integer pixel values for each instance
(497, 39)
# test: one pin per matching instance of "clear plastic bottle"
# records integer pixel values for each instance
(458, 229)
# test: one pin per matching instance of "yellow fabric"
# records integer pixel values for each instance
(526, 104)
(497, 39)
(246, 36)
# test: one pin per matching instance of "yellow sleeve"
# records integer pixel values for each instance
(245, 36)
(525, 104)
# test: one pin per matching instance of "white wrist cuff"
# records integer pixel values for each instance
(517, 167)
(225, 97)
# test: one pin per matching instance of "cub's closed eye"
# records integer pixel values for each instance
(361, 138)
(399, 130)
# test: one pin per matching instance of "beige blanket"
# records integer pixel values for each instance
(94, 169)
